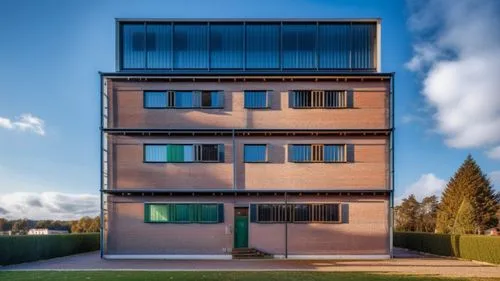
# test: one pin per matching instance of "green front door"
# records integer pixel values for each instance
(241, 229)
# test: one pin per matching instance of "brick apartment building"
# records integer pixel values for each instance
(236, 138)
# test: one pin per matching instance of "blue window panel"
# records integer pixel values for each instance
(226, 46)
(255, 152)
(159, 45)
(334, 46)
(299, 46)
(217, 99)
(184, 99)
(301, 153)
(262, 46)
(190, 46)
(363, 37)
(133, 46)
(256, 99)
(155, 100)
(334, 153)
(188, 153)
(155, 153)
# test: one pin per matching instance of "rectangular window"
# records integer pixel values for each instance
(321, 153)
(226, 46)
(262, 46)
(155, 99)
(183, 99)
(318, 99)
(256, 99)
(299, 46)
(296, 213)
(180, 153)
(133, 46)
(254, 153)
(190, 46)
(183, 213)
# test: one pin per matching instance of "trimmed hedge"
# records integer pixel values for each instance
(26, 248)
(472, 247)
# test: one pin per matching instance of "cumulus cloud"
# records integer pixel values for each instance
(457, 52)
(48, 205)
(426, 185)
(494, 153)
(25, 122)
(495, 179)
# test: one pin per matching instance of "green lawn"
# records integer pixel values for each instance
(207, 276)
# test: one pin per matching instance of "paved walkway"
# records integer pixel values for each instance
(405, 263)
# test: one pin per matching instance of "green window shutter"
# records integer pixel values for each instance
(350, 98)
(253, 213)
(220, 213)
(345, 213)
(291, 98)
(221, 153)
(147, 217)
(350, 153)
(175, 153)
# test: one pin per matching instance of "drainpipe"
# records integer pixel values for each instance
(234, 161)
(286, 226)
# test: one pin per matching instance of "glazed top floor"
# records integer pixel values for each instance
(248, 46)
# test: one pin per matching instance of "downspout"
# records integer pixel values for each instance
(286, 226)
(101, 228)
(234, 161)
(391, 196)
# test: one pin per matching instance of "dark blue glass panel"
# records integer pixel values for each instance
(159, 45)
(363, 38)
(184, 99)
(256, 99)
(301, 153)
(262, 46)
(190, 46)
(334, 153)
(333, 45)
(155, 100)
(255, 153)
(226, 46)
(299, 46)
(134, 46)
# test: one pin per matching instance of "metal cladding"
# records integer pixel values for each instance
(254, 45)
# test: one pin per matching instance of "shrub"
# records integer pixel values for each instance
(473, 247)
(26, 248)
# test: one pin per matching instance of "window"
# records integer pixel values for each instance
(320, 99)
(299, 45)
(298, 213)
(262, 46)
(180, 153)
(254, 153)
(256, 99)
(190, 46)
(183, 213)
(226, 45)
(183, 99)
(155, 99)
(320, 153)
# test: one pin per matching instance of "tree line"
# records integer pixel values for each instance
(22, 226)
(468, 205)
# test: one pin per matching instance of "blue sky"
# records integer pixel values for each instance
(51, 52)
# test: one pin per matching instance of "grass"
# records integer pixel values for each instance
(209, 276)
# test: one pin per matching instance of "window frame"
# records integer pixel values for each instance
(318, 99)
(315, 148)
(256, 144)
(198, 212)
(219, 159)
(170, 96)
(268, 102)
(313, 213)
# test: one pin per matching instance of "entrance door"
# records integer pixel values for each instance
(241, 227)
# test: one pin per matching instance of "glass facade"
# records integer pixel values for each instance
(248, 46)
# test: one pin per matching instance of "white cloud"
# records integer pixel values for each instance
(426, 185)
(494, 153)
(457, 49)
(495, 179)
(48, 205)
(26, 122)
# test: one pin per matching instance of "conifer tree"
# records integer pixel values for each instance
(471, 183)
(465, 222)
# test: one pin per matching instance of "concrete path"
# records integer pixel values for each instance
(406, 262)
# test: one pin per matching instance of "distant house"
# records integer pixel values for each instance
(495, 231)
(45, 231)
(6, 233)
